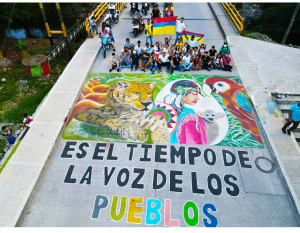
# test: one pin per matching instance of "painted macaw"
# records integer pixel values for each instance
(236, 101)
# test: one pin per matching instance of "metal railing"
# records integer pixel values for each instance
(235, 16)
(54, 52)
(100, 11)
(60, 44)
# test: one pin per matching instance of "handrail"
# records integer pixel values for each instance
(235, 16)
(100, 11)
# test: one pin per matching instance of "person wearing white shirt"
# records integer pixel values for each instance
(163, 61)
(192, 42)
(112, 10)
(148, 49)
(139, 48)
(166, 49)
(186, 62)
(27, 120)
(180, 27)
(157, 49)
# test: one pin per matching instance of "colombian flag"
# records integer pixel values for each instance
(162, 26)
(189, 34)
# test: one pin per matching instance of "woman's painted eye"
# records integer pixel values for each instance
(220, 84)
(212, 115)
(207, 114)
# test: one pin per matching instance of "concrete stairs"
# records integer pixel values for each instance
(284, 102)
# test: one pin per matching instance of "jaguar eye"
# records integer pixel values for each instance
(137, 93)
(220, 84)
(149, 93)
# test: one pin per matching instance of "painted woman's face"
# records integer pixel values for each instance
(191, 98)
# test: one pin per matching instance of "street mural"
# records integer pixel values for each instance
(163, 108)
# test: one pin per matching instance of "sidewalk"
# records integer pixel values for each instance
(258, 67)
(284, 147)
(21, 175)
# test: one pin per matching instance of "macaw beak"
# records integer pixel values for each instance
(213, 89)
(206, 90)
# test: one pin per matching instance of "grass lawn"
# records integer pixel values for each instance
(19, 93)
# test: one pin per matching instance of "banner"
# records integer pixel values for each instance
(163, 26)
(190, 34)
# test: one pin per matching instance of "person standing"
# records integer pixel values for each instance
(155, 12)
(93, 25)
(180, 26)
(294, 117)
(149, 32)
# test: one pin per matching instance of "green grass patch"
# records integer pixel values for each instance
(10, 155)
(27, 104)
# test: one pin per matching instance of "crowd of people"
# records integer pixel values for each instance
(178, 56)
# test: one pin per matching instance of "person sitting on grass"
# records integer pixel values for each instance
(27, 120)
(144, 62)
(114, 62)
(8, 134)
